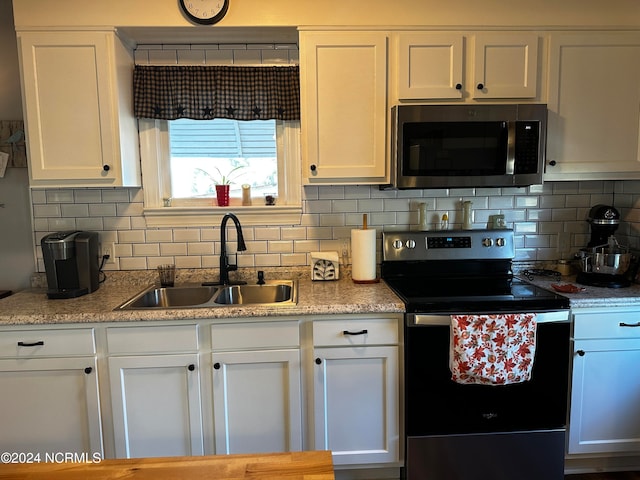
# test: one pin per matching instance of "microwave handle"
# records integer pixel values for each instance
(511, 148)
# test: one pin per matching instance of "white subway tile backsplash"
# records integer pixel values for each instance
(188, 261)
(87, 196)
(102, 209)
(120, 195)
(538, 214)
(131, 236)
(280, 246)
(117, 223)
(168, 249)
(186, 235)
(199, 248)
(164, 235)
(56, 224)
(59, 196)
(133, 263)
(46, 211)
(74, 210)
(90, 224)
(146, 250)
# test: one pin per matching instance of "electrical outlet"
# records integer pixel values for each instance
(344, 251)
(108, 249)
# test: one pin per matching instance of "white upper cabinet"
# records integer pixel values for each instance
(430, 65)
(505, 65)
(454, 66)
(343, 88)
(77, 99)
(594, 119)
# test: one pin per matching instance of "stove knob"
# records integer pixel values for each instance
(500, 242)
(411, 244)
(487, 242)
(397, 244)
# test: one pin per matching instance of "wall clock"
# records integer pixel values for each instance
(204, 12)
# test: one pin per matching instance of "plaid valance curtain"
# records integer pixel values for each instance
(203, 92)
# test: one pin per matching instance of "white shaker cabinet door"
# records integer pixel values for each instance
(356, 404)
(343, 95)
(156, 405)
(77, 89)
(594, 119)
(257, 401)
(50, 406)
(605, 397)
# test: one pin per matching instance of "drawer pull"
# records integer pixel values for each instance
(31, 344)
(361, 332)
(622, 324)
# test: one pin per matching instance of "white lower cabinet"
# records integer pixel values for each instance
(212, 386)
(155, 391)
(49, 403)
(356, 389)
(256, 387)
(605, 397)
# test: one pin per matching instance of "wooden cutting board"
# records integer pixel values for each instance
(312, 465)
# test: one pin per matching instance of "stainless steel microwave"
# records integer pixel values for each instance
(448, 146)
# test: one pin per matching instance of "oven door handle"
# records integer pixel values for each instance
(441, 319)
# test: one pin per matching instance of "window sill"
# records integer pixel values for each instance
(212, 216)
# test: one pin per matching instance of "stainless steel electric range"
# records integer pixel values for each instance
(476, 432)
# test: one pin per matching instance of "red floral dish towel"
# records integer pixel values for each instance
(492, 349)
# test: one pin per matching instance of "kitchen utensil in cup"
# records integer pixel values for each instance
(167, 275)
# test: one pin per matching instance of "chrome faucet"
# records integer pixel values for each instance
(225, 267)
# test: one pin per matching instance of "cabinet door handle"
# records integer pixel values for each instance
(581, 353)
(622, 324)
(191, 367)
(216, 366)
(31, 344)
(106, 168)
(313, 168)
(88, 370)
(361, 332)
(318, 361)
(480, 86)
(553, 163)
(458, 86)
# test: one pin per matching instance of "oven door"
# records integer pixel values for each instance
(477, 432)
(436, 405)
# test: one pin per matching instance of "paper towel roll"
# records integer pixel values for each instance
(363, 254)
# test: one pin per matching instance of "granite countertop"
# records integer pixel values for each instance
(314, 298)
(593, 297)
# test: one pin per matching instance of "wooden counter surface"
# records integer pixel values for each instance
(311, 465)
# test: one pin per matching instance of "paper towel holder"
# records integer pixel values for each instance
(369, 281)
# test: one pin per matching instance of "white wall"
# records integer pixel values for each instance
(334, 12)
(16, 238)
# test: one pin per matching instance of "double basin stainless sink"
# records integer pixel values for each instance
(271, 293)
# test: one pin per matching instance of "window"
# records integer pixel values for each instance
(209, 152)
(181, 163)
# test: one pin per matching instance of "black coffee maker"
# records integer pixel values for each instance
(604, 221)
(71, 261)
